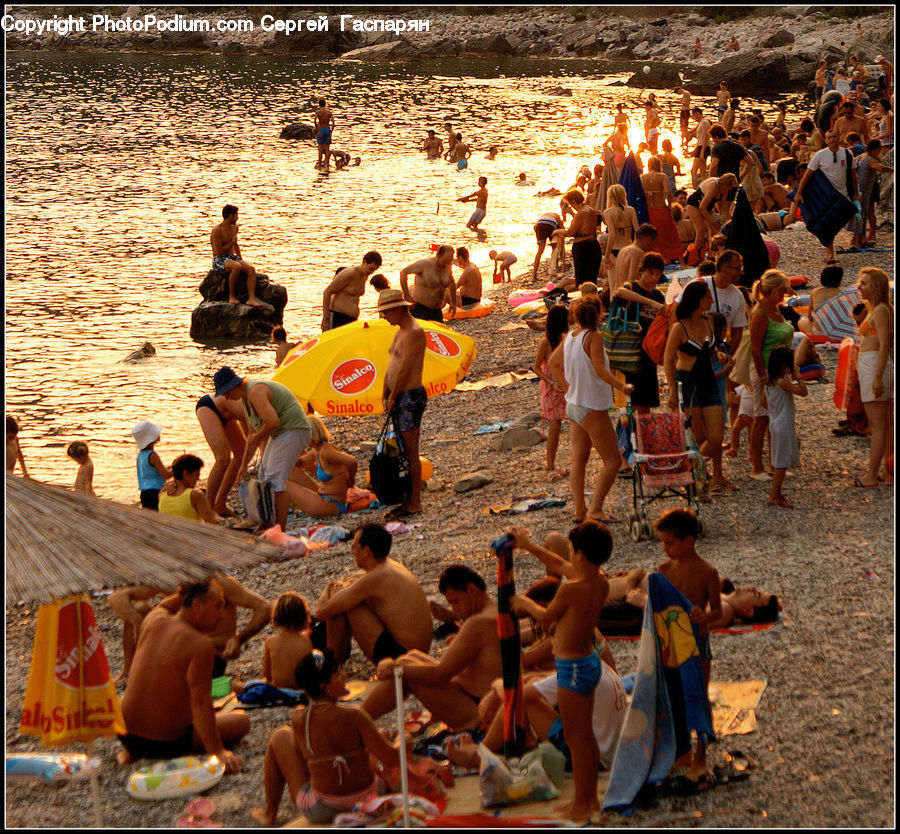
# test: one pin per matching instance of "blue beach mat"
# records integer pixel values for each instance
(824, 209)
(669, 698)
(630, 178)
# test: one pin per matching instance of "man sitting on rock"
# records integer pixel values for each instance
(450, 688)
(385, 608)
(227, 258)
(167, 706)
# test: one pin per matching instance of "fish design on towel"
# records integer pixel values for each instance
(669, 698)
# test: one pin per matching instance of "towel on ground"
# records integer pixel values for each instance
(669, 698)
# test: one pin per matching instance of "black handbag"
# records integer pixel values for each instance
(389, 468)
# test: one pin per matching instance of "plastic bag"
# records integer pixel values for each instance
(505, 782)
(551, 758)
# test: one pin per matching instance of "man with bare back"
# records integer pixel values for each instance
(403, 396)
(452, 687)
(227, 257)
(324, 122)
(167, 705)
(340, 301)
(384, 609)
(433, 278)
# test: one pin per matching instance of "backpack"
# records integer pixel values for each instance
(389, 468)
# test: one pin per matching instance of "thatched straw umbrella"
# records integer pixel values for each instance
(60, 542)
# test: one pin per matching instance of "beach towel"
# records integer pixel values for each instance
(834, 318)
(668, 244)
(630, 178)
(669, 698)
(514, 727)
(824, 210)
(259, 693)
(744, 237)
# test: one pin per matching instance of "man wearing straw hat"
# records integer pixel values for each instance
(274, 413)
(167, 705)
(404, 397)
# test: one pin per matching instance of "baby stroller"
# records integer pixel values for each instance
(665, 459)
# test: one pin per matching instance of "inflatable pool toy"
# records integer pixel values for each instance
(517, 297)
(221, 686)
(473, 311)
(812, 371)
(462, 164)
(530, 308)
(798, 281)
(177, 777)
(846, 356)
(48, 767)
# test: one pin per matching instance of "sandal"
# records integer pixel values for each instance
(860, 485)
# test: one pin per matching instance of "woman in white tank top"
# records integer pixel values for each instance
(581, 363)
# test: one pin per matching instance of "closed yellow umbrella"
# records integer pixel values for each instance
(342, 370)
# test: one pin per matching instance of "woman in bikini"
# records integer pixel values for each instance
(586, 252)
(335, 473)
(581, 366)
(326, 757)
(224, 425)
(621, 222)
(711, 196)
(688, 360)
(659, 198)
(875, 364)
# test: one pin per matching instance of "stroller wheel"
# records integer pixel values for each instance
(648, 531)
(637, 530)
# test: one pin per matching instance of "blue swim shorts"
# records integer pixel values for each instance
(409, 408)
(580, 675)
(323, 136)
(219, 260)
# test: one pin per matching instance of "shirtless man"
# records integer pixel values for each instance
(167, 705)
(775, 195)
(848, 122)
(384, 609)
(617, 143)
(451, 139)
(452, 687)
(227, 257)
(684, 115)
(651, 127)
(630, 256)
(468, 287)
(403, 394)
(433, 278)
(701, 149)
(132, 605)
(433, 146)
(324, 122)
(480, 197)
(759, 133)
(340, 301)
(460, 150)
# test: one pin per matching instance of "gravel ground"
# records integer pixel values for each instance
(825, 739)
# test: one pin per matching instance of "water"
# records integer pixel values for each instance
(117, 169)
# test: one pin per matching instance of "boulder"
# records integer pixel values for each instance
(297, 130)
(588, 45)
(400, 48)
(661, 76)
(474, 480)
(865, 50)
(753, 72)
(216, 319)
(559, 91)
(490, 44)
(515, 436)
(780, 38)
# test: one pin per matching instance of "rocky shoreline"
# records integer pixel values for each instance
(824, 745)
(777, 53)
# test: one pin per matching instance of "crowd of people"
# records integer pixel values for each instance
(331, 757)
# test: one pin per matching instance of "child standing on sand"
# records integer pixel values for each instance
(84, 480)
(699, 581)
(13, 450)
(784, 383)
(575, 609)
(553, 400)
(152, 473)
(289, 645)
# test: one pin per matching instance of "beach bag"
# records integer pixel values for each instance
(740, 373)
(389, 468)
(258, 499)
(622, 340)
(655, 339)
(507, 782)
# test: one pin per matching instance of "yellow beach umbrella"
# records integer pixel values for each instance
(341, 372)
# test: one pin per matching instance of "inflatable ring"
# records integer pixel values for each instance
(183, 776)
(517, 297)
(813, 371)
(826, 112)
(473, 311)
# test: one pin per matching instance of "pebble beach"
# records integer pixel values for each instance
(823, 748)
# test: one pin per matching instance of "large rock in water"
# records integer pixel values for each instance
(661, 76)
(753, 72)
(297, 130)
(218, 320)
(400, 48)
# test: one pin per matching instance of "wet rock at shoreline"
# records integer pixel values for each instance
(216, 319)
(753, 72)
(297, 130)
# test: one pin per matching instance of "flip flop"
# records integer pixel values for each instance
(860, 485)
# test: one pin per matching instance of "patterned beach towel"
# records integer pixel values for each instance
(669, 698)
